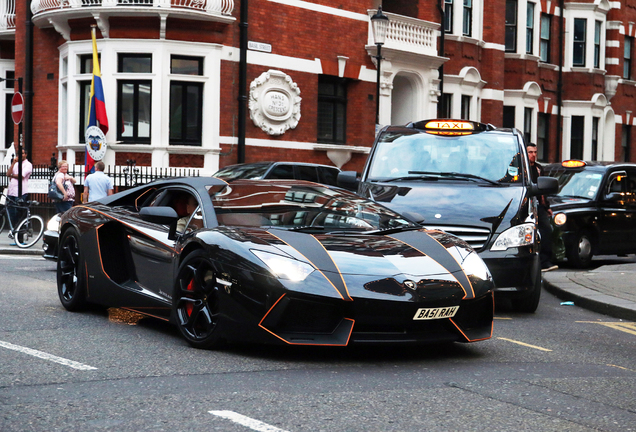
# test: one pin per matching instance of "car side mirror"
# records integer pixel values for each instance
(613, 196)
(160, 215)
(348, 180)
(545, 186)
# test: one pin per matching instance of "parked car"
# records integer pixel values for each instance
(50, 238)
(276, 261)
(595, 208)
(317, 173)
(469, 179)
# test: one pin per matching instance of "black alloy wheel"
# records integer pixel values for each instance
(69, 276)
(579, 253)
(196, 301)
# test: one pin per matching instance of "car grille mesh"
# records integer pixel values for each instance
(477, 238)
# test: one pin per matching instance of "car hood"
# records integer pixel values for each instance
(415, 256)
(442, 203)
(561, 202)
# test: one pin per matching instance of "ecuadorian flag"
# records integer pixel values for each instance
(96, 106)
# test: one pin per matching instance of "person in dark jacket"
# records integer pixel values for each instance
(544, 213)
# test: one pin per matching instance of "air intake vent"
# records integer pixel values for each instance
(475, 237)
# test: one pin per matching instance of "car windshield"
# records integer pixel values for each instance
(301, 206)
(404, 154)
(580, 184)
(242, 172)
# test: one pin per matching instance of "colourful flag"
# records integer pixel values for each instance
(96, 106)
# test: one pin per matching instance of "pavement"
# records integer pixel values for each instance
(7, 249)
(607, 289)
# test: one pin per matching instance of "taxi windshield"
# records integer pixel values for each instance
(306, 206)
(579, 184)
(404, 154)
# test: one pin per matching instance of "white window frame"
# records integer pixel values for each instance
(592, 12)
(161, 77)
(457, 23)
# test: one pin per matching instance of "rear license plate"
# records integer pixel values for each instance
(435, 313)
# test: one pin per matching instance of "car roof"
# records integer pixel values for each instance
(591, 165)
(266, 163)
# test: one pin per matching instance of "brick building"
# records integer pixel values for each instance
(560, 71)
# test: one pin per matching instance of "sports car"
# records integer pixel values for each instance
(272, 261)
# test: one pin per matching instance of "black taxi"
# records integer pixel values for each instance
(469, 179)
(595, 208)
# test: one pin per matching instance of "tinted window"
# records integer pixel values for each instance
(281, 172)
(306, 173)
(328, 176)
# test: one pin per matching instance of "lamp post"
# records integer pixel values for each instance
(379, 24)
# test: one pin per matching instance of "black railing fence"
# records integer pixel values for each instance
(124, 177)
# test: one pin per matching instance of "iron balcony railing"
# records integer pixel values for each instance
(222, 7)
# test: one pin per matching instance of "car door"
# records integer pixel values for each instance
(615, 221)
(154, 252)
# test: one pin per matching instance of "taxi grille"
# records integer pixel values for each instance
(477, 238)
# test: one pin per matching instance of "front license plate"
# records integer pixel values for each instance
(435, 313)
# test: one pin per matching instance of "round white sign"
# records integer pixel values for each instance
(95, 142)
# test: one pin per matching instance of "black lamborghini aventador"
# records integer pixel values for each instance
(272, 261)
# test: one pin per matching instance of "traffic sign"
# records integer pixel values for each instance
(17, 108)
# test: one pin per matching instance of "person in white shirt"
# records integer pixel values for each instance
(12, 191)
(97, 185)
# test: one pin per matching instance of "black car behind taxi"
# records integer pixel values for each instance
(595, 208)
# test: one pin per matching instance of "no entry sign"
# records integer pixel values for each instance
(17, 108)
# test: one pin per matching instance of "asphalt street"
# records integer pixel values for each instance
(564, 368)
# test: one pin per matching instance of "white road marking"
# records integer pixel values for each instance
(46, 356)
(22, 257)
(246, 421)
(525, 344)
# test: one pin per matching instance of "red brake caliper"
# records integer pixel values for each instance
(189, 306)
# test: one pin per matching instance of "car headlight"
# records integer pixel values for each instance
(285, 267)
(517, 236)
(560, 219)
(474, 266)
(54, 223)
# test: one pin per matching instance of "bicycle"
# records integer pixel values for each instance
(29, 230)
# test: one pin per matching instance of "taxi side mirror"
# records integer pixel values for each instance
(348, 180)
(545, 186)
(613, 196)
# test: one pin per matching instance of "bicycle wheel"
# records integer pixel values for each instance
(29, 231)
(3, 220)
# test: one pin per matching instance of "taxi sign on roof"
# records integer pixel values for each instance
(573, 163)
(446, 124)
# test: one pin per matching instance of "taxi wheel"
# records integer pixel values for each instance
(579, 253)
(529, 302)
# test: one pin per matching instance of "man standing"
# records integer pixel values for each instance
(12, 192)
(544, 213)
(97, 185)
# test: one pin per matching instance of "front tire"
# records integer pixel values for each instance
(528, 303)
(579, 253)
(29, 231)
(196, 301)
(70, 282)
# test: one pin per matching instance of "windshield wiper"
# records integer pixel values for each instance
(426, 176)
(301, 228)
(393, 230)
(460, 176)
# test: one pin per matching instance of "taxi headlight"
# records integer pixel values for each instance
(560, 219)
(284, 267)
(474, 266)
(54, 223)
(517, 236)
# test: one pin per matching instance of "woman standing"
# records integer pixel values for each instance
(65, 184)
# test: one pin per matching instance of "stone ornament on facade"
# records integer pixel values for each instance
(274, 102)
